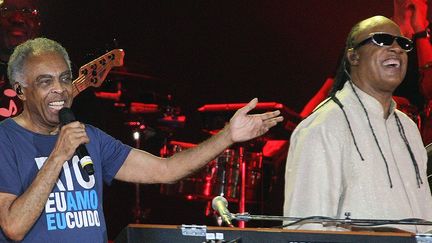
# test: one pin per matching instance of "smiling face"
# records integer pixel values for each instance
(378, 70)
(48, 89)
(19, 21)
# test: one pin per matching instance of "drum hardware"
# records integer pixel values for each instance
(137, 128)
(132, 107)
(124, 73)
(140, 132)
(148, 121)
(242, 202)
(220, 176)
(215, 116)
(172, 118)
(153, 116)
(171, 114)
(165, 117)
(235, 174)
(110, 95)
(146, 114)
(142, 108)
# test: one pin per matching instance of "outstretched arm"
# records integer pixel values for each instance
(411, 16)
(142, 167)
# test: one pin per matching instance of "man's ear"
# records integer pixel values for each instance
(353, 57)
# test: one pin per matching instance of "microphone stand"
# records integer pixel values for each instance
(248, 217)
(320, 219)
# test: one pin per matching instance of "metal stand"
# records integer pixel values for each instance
(137, 212)
(243, 159)
(242, 201)
(140, 131)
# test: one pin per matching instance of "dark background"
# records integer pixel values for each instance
(216, 51)
(200, 52)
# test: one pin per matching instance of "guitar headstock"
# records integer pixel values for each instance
(95, 72)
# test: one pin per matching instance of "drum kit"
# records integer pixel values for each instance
(237, 173)
(220, 177)
(234, 174)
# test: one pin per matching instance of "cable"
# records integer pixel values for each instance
(320, 218)
(359, 222)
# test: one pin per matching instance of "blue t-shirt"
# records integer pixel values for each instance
(73, 211)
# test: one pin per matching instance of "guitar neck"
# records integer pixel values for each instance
(95, 72)
(75, 91)
(78, 85)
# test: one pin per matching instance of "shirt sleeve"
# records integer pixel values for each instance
(113, 154)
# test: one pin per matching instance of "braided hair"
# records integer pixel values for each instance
(342, 72)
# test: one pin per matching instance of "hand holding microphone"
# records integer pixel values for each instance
(66, 116)
(220, 204)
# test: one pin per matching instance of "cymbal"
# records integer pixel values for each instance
(215, 117)
(142, 108)
(124, 73)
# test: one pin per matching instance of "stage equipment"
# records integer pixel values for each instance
(135, 233)
(220, 176)
(215, 116)
(362, 230)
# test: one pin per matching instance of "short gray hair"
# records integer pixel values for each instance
(29, 48)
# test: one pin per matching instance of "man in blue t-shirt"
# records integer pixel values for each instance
(45, 196)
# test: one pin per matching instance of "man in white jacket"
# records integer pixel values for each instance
(357, 154)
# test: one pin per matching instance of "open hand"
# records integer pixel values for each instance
(243, 127)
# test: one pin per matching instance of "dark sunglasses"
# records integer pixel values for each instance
(384, 39)
(6, 12)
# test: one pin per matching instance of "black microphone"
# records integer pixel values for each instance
(66, 116)
(220, 204)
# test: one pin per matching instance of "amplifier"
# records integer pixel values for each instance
(194, 233)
